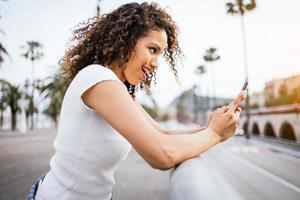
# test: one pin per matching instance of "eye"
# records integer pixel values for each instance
(153, 50)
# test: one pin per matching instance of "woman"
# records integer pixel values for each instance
(100, 120)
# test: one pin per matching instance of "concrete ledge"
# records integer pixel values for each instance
(196, 180)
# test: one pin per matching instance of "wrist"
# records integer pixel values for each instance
(214, 134)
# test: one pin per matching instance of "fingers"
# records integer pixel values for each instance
(217, 111)
(234, 116)
(236, 102)
(224, 109)
(237, 115)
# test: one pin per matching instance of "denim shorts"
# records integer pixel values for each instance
(34, 188)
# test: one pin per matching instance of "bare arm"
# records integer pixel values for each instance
(165, 130)
(111, 100)
(188, 131)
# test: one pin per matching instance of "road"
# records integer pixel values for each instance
(236, 169)
(22, 159)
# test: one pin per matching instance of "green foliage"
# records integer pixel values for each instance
(155, 113)
(152, 112)
(10, 96)
(201, 69)
(240, 7)
(54, 89)
(33, 51)
(211, 55)
(2, 49)
(2, 52)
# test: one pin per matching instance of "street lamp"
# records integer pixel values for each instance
(240, 7)
(98, 8)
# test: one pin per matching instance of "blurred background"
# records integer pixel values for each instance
(225, 42)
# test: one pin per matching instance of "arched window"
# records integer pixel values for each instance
(287, 132)
(255, 129)
(269, 131)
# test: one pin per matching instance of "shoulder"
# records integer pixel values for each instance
(91, 76)
(96, 69)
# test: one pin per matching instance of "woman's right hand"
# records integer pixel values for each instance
(224, 121)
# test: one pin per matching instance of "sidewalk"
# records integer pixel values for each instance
(289, 148)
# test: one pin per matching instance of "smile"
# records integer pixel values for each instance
(146, 72)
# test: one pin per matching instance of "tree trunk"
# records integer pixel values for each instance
(31, 121)
(1, 118)
(31, 112)
(32, 96)
(13, 120)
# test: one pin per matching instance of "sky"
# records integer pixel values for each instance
(272, 33)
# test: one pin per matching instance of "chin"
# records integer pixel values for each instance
(134, 82)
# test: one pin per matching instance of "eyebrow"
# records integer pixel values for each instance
(156, 45)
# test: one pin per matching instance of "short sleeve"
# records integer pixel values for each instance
(90, 76)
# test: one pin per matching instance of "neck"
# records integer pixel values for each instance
(116, 69)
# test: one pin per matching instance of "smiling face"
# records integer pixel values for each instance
(144, 57)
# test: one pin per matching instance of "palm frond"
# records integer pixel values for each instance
(231, 8)
(251, 5)
(201, 69)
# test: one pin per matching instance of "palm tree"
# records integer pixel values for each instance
(2, 48)
(54, 89)
(11, 95)
(2, 52)
(211, 56)
(240, 7)
(33, 52)
(3, 105)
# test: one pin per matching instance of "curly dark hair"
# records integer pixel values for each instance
(101, 40)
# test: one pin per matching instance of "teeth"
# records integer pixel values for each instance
(145, 70)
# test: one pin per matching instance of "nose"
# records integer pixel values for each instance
(154, 63)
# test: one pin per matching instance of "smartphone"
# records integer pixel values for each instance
(245, 86)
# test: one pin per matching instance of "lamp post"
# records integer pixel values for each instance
(98, 8)
(240, 7)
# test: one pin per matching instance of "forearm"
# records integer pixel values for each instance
(165, 130)
(188, 131)
(180, 147)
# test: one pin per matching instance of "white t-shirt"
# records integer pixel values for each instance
(87, 149)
